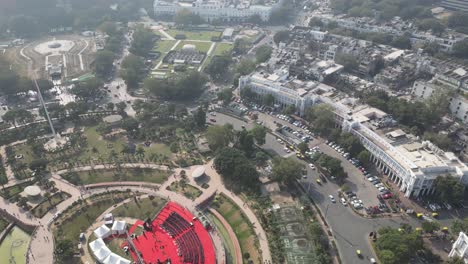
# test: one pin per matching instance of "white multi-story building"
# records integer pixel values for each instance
(460, 247)
(445, 42)
(458, 104)
(459, 5)
(413, 165)
(277, 86)
(210, 10)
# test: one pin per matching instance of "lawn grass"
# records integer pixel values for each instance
(188, 190)
(200, 46)
(3, 224)
(164, 46)
(221, 48)
(81, 217)
(225, 237)
(195, 34)
(143, 209)
(110, 175)
(241, 226)
(45, 206)
(115, 246)
(96, 148)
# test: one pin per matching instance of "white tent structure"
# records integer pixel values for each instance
(97, 244)
(119, 227)
(102, 232)
(102, 253)
(115, 259)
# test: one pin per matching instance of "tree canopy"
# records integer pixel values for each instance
(219, 67)
(449, 189)
(103, 63)
(179, 87)
(322, 118)
(286, 170)
(263, 53)
(87, 90)
(143, 41)
(219, 137)
(395, 247)
(132, 70)
(234, 166)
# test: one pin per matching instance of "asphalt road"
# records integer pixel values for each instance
(349, 230)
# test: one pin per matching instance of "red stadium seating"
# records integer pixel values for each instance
(175, 236)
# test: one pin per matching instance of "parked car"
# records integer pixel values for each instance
(332, 199)
(343, 201)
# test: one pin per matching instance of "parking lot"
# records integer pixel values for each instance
(365, 192)
(357, 183)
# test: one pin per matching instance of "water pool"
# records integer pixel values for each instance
(13, 249)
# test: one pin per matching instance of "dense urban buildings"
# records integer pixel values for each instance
(215, 9)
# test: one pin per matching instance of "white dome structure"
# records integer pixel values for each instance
(198, 172)
(32, 191)
(189, 47)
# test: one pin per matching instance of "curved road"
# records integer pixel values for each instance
(349, 230)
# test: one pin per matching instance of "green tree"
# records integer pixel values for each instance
(219, 67)
(286, 170)
(350, 143)
(430, 227)
(322, 118)
(401, 244)
(261, 158)
(245, 67)
(246, 142)
(200, 117)
(349, 62)
(259, 134)
(440, 140)
(225, 95)
(241, 46)
(235, 168)
(460, 49)
(103, 63)
(87, 90)
(449, 189)
(132, 70)
(64, 250)
(302, 147)
(263, 53)
(179, 87)
(219, 137)
(364, 157)
(401, 42)
(143, 41)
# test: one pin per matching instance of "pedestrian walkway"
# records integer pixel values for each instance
(42, 244)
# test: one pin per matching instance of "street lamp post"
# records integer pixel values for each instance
(326, 211)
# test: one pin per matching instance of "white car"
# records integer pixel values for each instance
(312, 166)
(332, 199)
(343, 201)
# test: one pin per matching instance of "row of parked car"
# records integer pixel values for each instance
(353, 200)
(339, 149)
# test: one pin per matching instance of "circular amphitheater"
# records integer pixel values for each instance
(174, 236)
